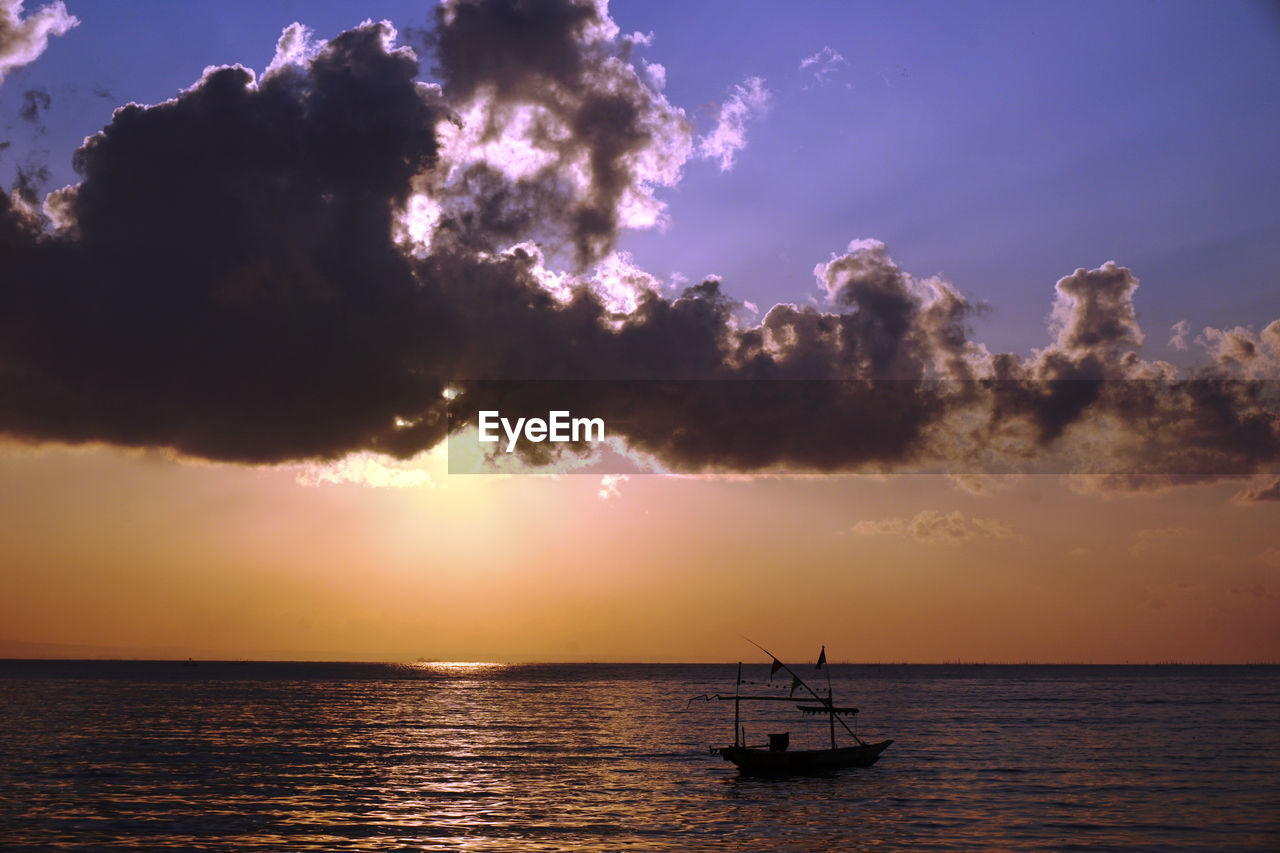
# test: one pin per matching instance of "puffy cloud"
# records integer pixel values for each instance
(936, 528)
(1240, 352)
(296, 267)
(893, 326)
(1093, 313)
(558, 132)
(227, 285)
(747, 100)
(22, 40)
(296, 47)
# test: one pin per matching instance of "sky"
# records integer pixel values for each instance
(923, 331)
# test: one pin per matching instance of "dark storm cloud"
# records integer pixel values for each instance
(1138, 417)
(560, 66)
(227, 284)
(235, 277)
(517, 48)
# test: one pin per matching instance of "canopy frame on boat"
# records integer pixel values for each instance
(826, 704)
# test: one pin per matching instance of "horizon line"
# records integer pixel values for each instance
(425, 662)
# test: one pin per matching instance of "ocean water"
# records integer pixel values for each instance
(280, 756)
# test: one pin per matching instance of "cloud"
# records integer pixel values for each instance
(984, 484)
(226, 284)
(822, 66)
(557, 131)
(1117, 484)
(367, 469)
(1257, 590)
(1093, 313)
(33, 101)
(1178, 340)
(891, 325)
(747, 100)
(22, 40)
(296, 266)
(935, 528)
(609, 486)
(1241, 352)
(1156, 538)
(27, 183)
(296, 47)
(1259, 493)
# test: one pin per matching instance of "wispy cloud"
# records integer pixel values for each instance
(1257, 590)
(609, 484)
(1154, 538)
(746, 101)
(822, 66)
(984, 484)
(1259, 493)
(936, 528)
(367, 469)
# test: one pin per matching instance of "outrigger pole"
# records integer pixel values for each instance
(828, 702)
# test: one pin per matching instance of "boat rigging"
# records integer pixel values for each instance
(774, 757)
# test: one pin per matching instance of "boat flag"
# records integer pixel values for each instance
(777, 665)
(822, 658)
(795, 682)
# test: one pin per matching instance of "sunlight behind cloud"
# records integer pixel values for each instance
(373, 470)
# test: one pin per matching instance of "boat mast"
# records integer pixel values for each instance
(737, 703)
(831, 702)
(830, 705)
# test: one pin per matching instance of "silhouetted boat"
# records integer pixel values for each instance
(775, 757)
(755, 759)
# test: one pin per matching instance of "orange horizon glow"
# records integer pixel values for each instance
(119, 554)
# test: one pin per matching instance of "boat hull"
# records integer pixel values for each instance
(778, 762)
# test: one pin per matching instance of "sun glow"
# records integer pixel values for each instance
(459, 667)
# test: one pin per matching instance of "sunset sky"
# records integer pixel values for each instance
(228, 319)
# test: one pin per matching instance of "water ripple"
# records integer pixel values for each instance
(378, 757)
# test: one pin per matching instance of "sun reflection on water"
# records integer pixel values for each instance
(459, 667)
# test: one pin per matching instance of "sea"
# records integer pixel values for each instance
(154, 755)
